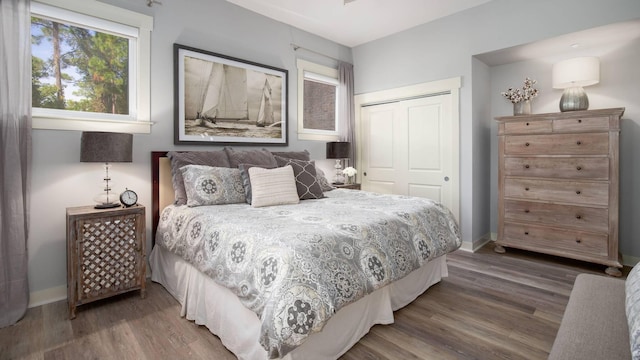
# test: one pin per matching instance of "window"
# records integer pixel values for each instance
(90, 67)
(317, 102)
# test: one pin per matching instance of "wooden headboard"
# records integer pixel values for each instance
(162, 188)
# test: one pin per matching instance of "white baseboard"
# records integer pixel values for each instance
(478, 243)
(47, 296)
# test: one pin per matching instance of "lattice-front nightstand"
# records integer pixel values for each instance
(105, 253)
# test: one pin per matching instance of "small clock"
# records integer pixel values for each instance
(128, 198)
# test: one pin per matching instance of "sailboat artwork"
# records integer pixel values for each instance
(228, 101)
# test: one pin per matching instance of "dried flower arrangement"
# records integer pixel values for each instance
(526, 93)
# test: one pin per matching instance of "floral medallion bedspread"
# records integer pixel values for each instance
(296, 265)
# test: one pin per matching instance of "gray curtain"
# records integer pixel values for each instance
(346, 112)
(15, 157)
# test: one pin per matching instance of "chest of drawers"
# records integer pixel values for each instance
(558, 185)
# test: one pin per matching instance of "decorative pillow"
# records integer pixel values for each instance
(262, 158)
(273, 186)
(298, 155)
(306, 178)
(632, 305)
(246, 182)
(322, 180)
(216, 158)
(206, 185)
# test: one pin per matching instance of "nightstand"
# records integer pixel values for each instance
(105, 253)
(347, 186)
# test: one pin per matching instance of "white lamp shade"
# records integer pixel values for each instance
(582, 71)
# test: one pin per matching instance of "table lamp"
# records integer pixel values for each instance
(338, 150)
(106, 147)
(572, 75)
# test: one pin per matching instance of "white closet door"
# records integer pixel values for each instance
(407, 148)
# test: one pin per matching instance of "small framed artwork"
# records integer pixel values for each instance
(221, 100)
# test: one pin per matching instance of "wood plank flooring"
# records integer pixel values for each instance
(492, 306)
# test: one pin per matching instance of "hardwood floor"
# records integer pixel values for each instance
(492, 306)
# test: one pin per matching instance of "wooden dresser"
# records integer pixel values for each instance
(558, 185)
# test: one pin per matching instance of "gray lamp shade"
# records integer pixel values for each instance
(338, 150)
(105, 147)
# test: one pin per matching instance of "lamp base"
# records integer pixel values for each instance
(338, 178)
(107, 206)
(574, 99)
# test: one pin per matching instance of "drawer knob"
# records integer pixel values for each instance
(579, 168)
(526, 211)
(526, 144)
(578, 192)
(578, 217)
(526, 166)
(527, 124)
(579, 142)
(526, 189)
(579, 121)
(526, 233)
(578, 241)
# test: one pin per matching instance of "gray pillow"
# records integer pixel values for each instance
(298, 155)
(206, 185)
(217, 158)
(305, 176)
(322, 180)
(262, 158)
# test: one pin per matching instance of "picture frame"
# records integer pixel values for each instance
(222, 100)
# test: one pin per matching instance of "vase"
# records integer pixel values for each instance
(522, 108)
(351, 180)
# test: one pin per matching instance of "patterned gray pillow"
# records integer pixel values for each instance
(632, 307)
(206, 185)
(306, 177)
(217, 158)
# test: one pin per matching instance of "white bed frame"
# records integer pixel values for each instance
(216, 307)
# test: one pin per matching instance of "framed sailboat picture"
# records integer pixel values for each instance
(222, 100)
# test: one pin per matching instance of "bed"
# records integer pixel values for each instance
(296, 281)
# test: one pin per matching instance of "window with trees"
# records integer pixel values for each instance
(317, 102)
(86, 70)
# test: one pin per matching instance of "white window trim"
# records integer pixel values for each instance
(331, 75)
(85, 121)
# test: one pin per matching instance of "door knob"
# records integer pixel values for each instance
(446, 178)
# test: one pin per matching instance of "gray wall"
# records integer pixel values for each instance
(445, 48)
(61, 181)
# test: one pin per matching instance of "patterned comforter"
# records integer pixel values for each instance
(296, 265)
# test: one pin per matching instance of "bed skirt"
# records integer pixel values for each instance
(216, 307)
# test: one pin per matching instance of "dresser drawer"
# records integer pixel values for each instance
(568, 168)
(558, 191)
(581, 124)
(542, 237)
(557, 144)
(523, 127)
(577, 217)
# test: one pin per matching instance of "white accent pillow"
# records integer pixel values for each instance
(273, 186)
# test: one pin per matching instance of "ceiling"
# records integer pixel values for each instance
(355, 22)
(580, 42)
